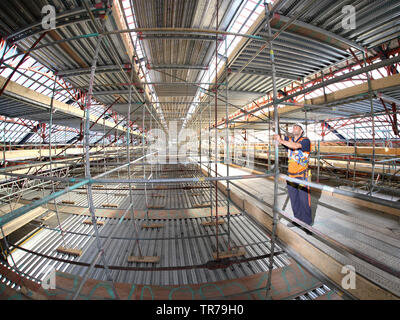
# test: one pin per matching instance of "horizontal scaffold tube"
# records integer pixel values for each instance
(80, 182)
(20, 211)
(352, 194)
(144, 181)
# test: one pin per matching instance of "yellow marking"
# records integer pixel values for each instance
(26, 240)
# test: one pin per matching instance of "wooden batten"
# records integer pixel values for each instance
(89, 221)
(213, 222)
(48, 216)
(152, 225)
(109, 205)
(145, 259)
(202, 205)
(155, 207)
(67, 202)
(20, 221)
(127, 187)
(229, 254)
(69, 251)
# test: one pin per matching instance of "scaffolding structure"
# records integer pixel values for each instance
(132, 169)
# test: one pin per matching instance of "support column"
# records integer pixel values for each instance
(276, 167)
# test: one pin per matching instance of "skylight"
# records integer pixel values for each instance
(33, 75)
(138, 45)
(241, 23)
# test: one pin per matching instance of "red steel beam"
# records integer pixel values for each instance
(21, 61)
(104, 112)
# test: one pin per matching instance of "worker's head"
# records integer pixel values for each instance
(298, 129)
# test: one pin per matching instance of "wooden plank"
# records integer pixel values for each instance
(229, 254)
(109, 205)
(152, 225)
(155, 207)
(71, 53)
(357, 90)
(366, 204)
(67, 202)
(155, 214)
(363, 203)
(357, 150)
(35, 153)
(213, 222)
(202, 205)
(145, 259)
(48, 216)
(69, 251)
(127, 187)
(89, 221)
(363, 88)
(20, 92)
(19, 222)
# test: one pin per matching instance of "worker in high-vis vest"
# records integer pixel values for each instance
(298, 148)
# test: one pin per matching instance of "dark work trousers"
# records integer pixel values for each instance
(300, 200)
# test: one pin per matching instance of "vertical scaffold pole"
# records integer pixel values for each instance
(201, 123)
(88, 176)
(51, 157)
(128, 138)
(209, 147)
(227, 150)
(216, 131)
(276, 167)
(373, 126)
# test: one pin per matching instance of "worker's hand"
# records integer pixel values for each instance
(277, 137)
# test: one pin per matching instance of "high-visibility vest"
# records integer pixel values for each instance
(298, 160)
